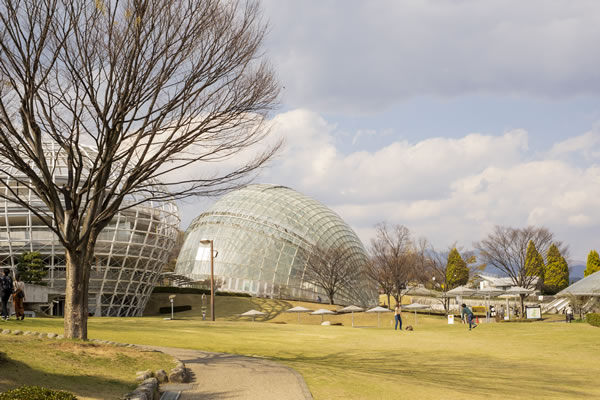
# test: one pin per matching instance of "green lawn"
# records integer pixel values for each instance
(436, 360)
(89, 370)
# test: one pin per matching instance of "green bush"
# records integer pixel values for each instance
(593, 319)
(189, 290)
(36, 393)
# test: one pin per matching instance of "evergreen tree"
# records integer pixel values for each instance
(534, 263)
(457, 272)
(31, 268)
(557, 271)
(593, 263)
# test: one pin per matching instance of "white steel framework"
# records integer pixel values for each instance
(130, 252)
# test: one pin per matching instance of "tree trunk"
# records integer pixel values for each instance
(76, 298)
(389, 297)
(522, 305)
(447, 305)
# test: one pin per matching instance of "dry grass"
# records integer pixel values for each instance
(435, 361)
(88, 370)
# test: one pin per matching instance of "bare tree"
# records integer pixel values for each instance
(393, 263)
(333, 270)
(153, 86)
(506, 249)
(378, 273)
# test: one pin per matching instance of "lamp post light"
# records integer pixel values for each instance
(212, 276)
(171, 299)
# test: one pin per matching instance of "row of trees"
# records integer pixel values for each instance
(531, 257)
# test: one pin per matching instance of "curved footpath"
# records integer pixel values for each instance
(229, 376)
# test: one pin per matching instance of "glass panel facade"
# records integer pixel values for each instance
(264, 235)
(129, 255)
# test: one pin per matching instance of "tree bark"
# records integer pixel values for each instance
(76, 296)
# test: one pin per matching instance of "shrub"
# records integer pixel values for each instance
(36, 393)
(593, 319)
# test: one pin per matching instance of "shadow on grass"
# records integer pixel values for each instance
(15, 374)
(227, 307)
(470, 375)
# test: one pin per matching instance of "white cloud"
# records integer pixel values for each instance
(365, 55)
(445, 189)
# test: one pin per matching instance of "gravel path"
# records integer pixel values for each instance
(228, 376)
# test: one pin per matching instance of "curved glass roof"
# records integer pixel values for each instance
(264, 235)
(588, 286)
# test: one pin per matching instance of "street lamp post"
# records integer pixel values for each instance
(212, 276)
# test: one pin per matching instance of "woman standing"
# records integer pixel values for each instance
(18, 297)
(398, 317)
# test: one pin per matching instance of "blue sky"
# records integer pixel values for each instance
(448, 117)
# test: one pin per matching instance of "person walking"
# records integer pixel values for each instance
(466, 312)
(6, 288)
(569, 313)
(18, 298)
(398, 317)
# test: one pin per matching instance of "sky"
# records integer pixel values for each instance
(447, 117)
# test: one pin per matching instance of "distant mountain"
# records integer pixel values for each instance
(576, 269)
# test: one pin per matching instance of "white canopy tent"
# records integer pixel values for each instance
(322, 312)
(253, 314)
(298, 310)
(514, 292)
(379, 310)
(352, 309)
(415, 307)
(489, 292)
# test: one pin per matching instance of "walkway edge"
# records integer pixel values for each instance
(299, 378)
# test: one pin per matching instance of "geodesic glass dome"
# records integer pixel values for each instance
(129, 255)
(264, 235)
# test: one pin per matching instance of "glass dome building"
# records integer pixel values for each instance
(129, 255)
(264, 235)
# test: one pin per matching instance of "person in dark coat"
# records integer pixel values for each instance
(6, 289)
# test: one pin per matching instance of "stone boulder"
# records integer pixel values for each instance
(161, 376)
(177, 375)
(143, 375)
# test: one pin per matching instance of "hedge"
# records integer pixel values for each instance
(167, 310)
(593, 319)
(189, 290)
(36, 393)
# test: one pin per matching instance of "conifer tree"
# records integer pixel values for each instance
(557, 271)
(31, 268)
(593, 263)
(534, 263)
(457, 272)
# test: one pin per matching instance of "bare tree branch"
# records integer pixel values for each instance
(132, 93)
